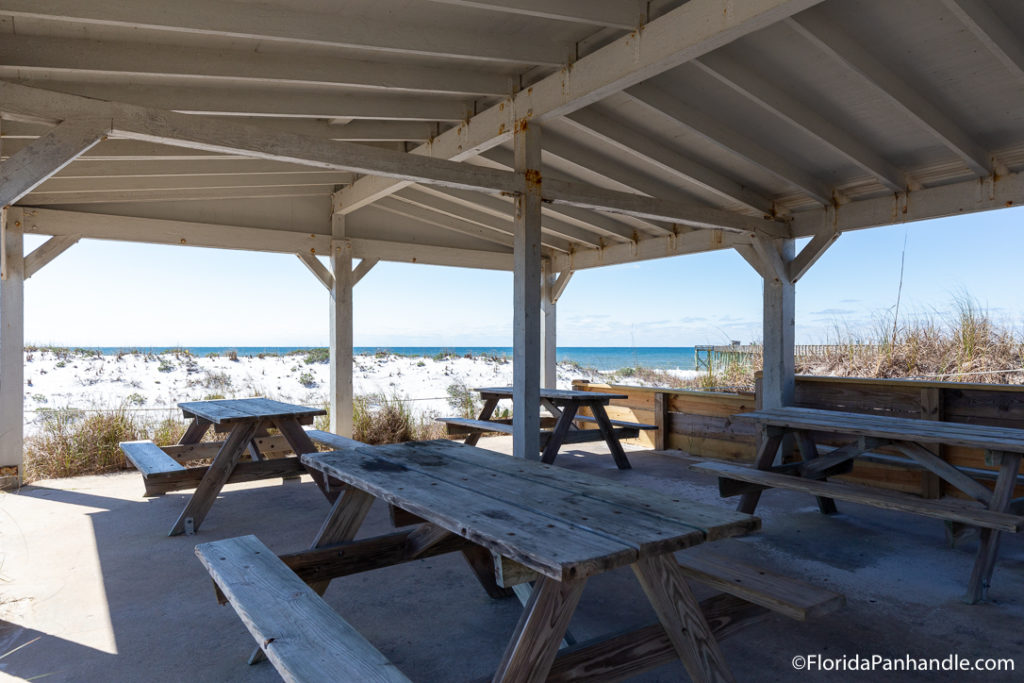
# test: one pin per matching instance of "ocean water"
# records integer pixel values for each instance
(598, 357)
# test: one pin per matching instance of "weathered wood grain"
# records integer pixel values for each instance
(940, 509)
(539, 632)
(216, 476)
(148, 458)
(233, 409)
(780, 594)
(303, 636)
(680, 614)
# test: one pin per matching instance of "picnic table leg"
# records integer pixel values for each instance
(809, 451)
(539, 633)
(481, 562)
(682, 617)
(485, 414)
(568, 414)
(608, 432)
(301, 444)
(763, 461)
(988, 548)
(195, 431)
(342, 524)
(215, 478)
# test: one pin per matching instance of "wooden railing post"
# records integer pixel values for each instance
(661, 420)
(931, 409)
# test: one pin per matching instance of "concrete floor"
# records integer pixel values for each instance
(94, 590)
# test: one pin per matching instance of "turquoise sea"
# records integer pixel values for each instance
(599, 357)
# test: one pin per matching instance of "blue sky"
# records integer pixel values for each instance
(111, 294)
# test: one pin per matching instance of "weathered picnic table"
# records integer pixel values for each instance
(246, 421)
(563, 406)
(991, 510)
(558, 526)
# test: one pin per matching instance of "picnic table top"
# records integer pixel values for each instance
(234, 409)
(888, 427)
(555, 394)
(560, 523)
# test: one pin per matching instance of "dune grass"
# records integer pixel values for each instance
(72, 442)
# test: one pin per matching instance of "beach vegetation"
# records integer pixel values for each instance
(232, 355)
(217, 379)
(71, 442)
(135, 399)
(165, 366)
(213, 354)
(317, 355)
(462, 399)
(381, 354)
(308, 380)
(61, 364)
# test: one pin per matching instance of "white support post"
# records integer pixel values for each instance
(548, 323)
(341, 329)
(777, 383)
(526, 358)
(12, 343)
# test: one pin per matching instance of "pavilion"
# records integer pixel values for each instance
(536, 136)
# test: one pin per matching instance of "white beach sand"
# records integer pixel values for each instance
(154, 384)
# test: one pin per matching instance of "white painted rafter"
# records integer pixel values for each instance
(831, 40)
(685, 33)
(624, 14)
(994, 33)
(218, 236)
(69, 58)
(501, 208)
(651, 152)
(717, 133)
(28, 168)
(268, 101)
(759, 89)
(225, 137)
(286, 25)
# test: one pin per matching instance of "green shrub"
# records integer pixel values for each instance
(71, 443)
(462, 399)
(308, 380)
(318, 355)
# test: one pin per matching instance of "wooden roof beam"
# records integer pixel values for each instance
(626, 227)
(760, 90)
(710, 129)
(437, 211)
(66, 58)
(218, 136)
(640, 146)
(286, 25)
(503, 209)
(687, 32)
(992, 32)
(267, 102)
(820, 31)
(624, 14)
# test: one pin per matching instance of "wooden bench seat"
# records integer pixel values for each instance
(465, 425)
(332, 441)
(302, 636)
(151, 461)
(786, 596)
(947, 509)
(781, 594)
(618, 423)
(470, 425)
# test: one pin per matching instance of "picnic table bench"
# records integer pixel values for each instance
(991, 510)
(559, 428)
(556, 528)
(246, 421)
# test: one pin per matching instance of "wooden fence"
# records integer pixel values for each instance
(700, 422)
